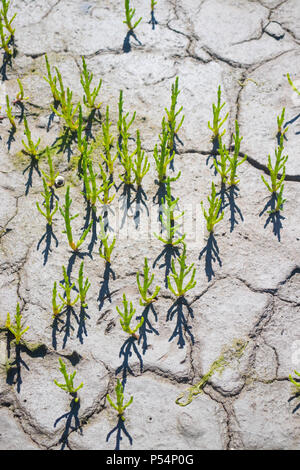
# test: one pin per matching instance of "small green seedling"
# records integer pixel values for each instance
(126, 158)
(5, 40)
(51, 177)
(217, 120)
(276, 187)
(67, 287)
(179, 277)
(292, 84)
(47, 195)
(107, 143)
(52, 81)
(279, 202)
(143, 289)
(172, 114)
(4, 17)
(30, 148)
(81, 137)
(83, 286)
(20, 97)
(276, 178)
(91, 192)
(213, 217)
(168, 218)
(233, 161)
(89, 98)
(66, 215)
(16, 329)
(120, 109)
(163, 157)
(141, 164)
(105, 249)
(107, 184)
(126, 318)
(68, 386)
(153, 3)
(293, 380)
(56, 309)
(280, 121)
(221, 165)
(68, 111)
(9, 114)
(129, 13)
(119, 406)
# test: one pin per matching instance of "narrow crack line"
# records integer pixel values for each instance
(250, 160)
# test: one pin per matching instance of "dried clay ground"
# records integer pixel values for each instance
(245, 305)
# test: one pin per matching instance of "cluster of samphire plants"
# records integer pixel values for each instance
(99, 187)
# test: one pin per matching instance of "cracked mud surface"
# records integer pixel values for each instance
(248, 280)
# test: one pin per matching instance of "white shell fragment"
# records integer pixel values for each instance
(59, 181)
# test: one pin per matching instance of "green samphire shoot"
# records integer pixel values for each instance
(16, 329)
(68, 386)
(119, 406)
(179, 277)
(143, 288)
(126, 317)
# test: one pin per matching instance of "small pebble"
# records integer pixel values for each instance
(59, 181)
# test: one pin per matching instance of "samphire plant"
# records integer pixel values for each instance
(51, 177)
(218, 122)
(106, 185)
(126, 157)
(68, 110)
(105, 249)
(292, 84)
(172, 114)
(48, 213)
(30, 148)
(153, 3)
(168, 218)
(129, 14)
(90, 96)
(281, 130)
(276, 185)
(213, 215)
(163, 157)
(68, 288)
(119, 406)
(126, 317)
(65, 212)
(68, 386)
(20, 97)
(16, 329)
(141, 166)
(234, 159)
(295, 381)
(91, 190)
(9, 114)
(146, 299)
(179, 277)
(6, 23)
(83, 286)
(52, 81)
(56, 309)
(107, 142)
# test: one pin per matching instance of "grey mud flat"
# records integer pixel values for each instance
(248, 280)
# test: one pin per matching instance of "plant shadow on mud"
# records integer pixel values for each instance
(48, 235)
(153, 20)
(146, 327)
(127, 202)
(15, 367)
(167, 253)
(228, 197)
(119, 429)
(104, 292)
(182, 327)
(127, 349)
(126, 44)
(274, 218)
(33, 166)
(72, 415)
(211, 251)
